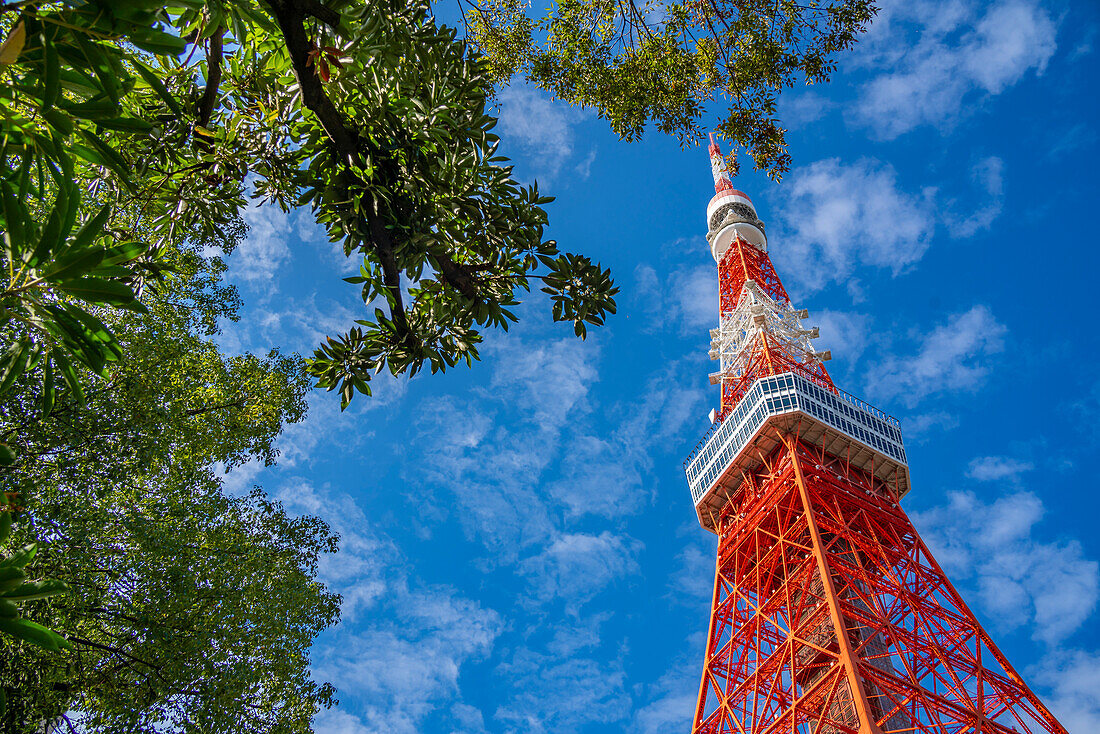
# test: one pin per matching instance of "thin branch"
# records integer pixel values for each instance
(213, 77)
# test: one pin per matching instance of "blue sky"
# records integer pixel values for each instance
(519, 548)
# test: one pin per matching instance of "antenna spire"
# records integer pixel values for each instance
(723, 180)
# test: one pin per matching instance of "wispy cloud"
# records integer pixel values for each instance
(684, 298)
(539, 129)
(1019, 579)
(399, 672)
(953, 356)
(1072, 679)
(988, 174)
(577, 566)
(835, 217)
(402, 664)
(997, 468)
(956, 52)
(554, 694)
(256, 261)
(845, 333)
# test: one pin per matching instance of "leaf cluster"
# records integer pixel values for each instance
(664, 62)
(188, 609)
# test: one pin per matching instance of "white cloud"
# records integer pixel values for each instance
(1073, 680)
(562, 695)
(490, 453)
(469, 718)
(835, 216)
(578, 566)
(1019, 579)
(602, 473)
(693, 582)
(955, 54)
(844, 333)
(988, 173)
(359, 572)
(684, 299)
(309, 231)
(584, 168)
(540, 128)
(672, 698)
(394, 674)
(997, 468)
(552, 377)
(336, 721)
(802, 108)
(402, 663)
(924, 426)
(258, 258)
(952, 357)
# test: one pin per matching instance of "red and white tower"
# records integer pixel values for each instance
(829, 614)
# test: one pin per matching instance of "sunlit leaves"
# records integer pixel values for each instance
(637, 63)
(448, 238)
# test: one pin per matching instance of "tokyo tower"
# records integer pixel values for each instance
(829, 614)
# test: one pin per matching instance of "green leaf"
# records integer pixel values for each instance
(51, 84)
(21, 557)
(91, 228)
(108, 157)
(153, 80)
(31, 590)
(126, 124)
(13, 362)
(34, 633)
(159, 43)
(93, 109)
(49, 391)
(96, 290)
(70, 375)
(15, 215)
(124, 252)
(10, 576)
(74, 264)
(7, 456)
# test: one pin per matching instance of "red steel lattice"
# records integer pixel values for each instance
(744, 262)
(830, 615)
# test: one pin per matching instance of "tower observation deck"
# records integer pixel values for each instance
(829, 613)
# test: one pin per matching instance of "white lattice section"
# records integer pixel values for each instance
(757, 312)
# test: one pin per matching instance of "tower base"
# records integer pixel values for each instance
(830, 616)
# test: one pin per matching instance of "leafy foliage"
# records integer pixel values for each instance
(664, 61)
(112, 153)
(189, 610)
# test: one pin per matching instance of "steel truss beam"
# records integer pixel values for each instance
(830, 616)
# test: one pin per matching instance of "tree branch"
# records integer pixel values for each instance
(320, 11)
(289, 14)
(239, 402)
(213, 77)
(457, 276)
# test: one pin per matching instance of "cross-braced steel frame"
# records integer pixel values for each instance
(765, 353)
(831, 616)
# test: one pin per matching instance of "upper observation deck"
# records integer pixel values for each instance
(842, 424)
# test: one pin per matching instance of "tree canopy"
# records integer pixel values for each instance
(664, 62)
(188, 609)
(369, 113)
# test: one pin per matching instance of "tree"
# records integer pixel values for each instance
(664, 61)
(369, 113)
(189, 610)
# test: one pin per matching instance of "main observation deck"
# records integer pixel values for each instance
(843, 424)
